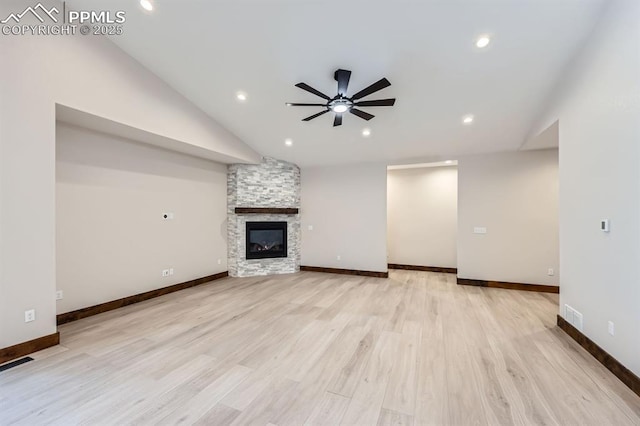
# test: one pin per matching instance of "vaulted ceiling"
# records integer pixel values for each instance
(210, 50)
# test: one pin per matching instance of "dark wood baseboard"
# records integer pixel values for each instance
(509, 286)
(26, 348)
(625, 375)
(423, 268)
(136, 298)
(265, 210)
(345, 271)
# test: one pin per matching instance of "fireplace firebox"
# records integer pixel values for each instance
(266, 240)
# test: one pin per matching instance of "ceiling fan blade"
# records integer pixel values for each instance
(311, 117)
(379, 102)
(378, 85)
(337, 121)
(305, 86)
(294, 104)
(342, 77)
(361, 114)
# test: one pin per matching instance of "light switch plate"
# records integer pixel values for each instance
(479, 230)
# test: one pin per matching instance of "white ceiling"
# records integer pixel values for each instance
(209, 50)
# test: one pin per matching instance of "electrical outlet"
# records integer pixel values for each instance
(310, 227)
(59, 295)
(30, 315)
(165, 272)
(611, 328)
(219, 261)
(338, 257)
(550, 272)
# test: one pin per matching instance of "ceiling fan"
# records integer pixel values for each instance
(342, 103)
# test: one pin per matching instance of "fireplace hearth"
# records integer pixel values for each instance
(266, 240)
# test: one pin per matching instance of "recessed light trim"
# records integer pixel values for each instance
(467, 119)
(146, 5)
(241, 96)
(288, 142)
(366, 132)
(483, 41)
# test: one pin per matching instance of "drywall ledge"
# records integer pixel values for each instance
(625, 375)
(509, 286)
(68, 115)
(136, 298)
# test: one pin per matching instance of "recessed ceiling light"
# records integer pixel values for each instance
(146, 5)
(366, 132)
(467, 119)
(288, 142)
(483, 41)
(241, 96)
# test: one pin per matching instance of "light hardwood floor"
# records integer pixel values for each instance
(320, 349)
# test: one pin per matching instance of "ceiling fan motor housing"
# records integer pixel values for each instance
(340, 104)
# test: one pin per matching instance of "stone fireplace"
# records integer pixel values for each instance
(263, 227)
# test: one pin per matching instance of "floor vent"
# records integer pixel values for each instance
(15, 363)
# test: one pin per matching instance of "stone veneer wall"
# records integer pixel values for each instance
(272, 183)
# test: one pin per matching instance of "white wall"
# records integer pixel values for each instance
(515, 197)
(111, 240)
(599, 113)
(346, 205)
(422, 216)
(93, 75)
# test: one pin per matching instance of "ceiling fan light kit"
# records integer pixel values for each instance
(342, 103)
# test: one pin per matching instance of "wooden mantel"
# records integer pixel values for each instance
(265, 210)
